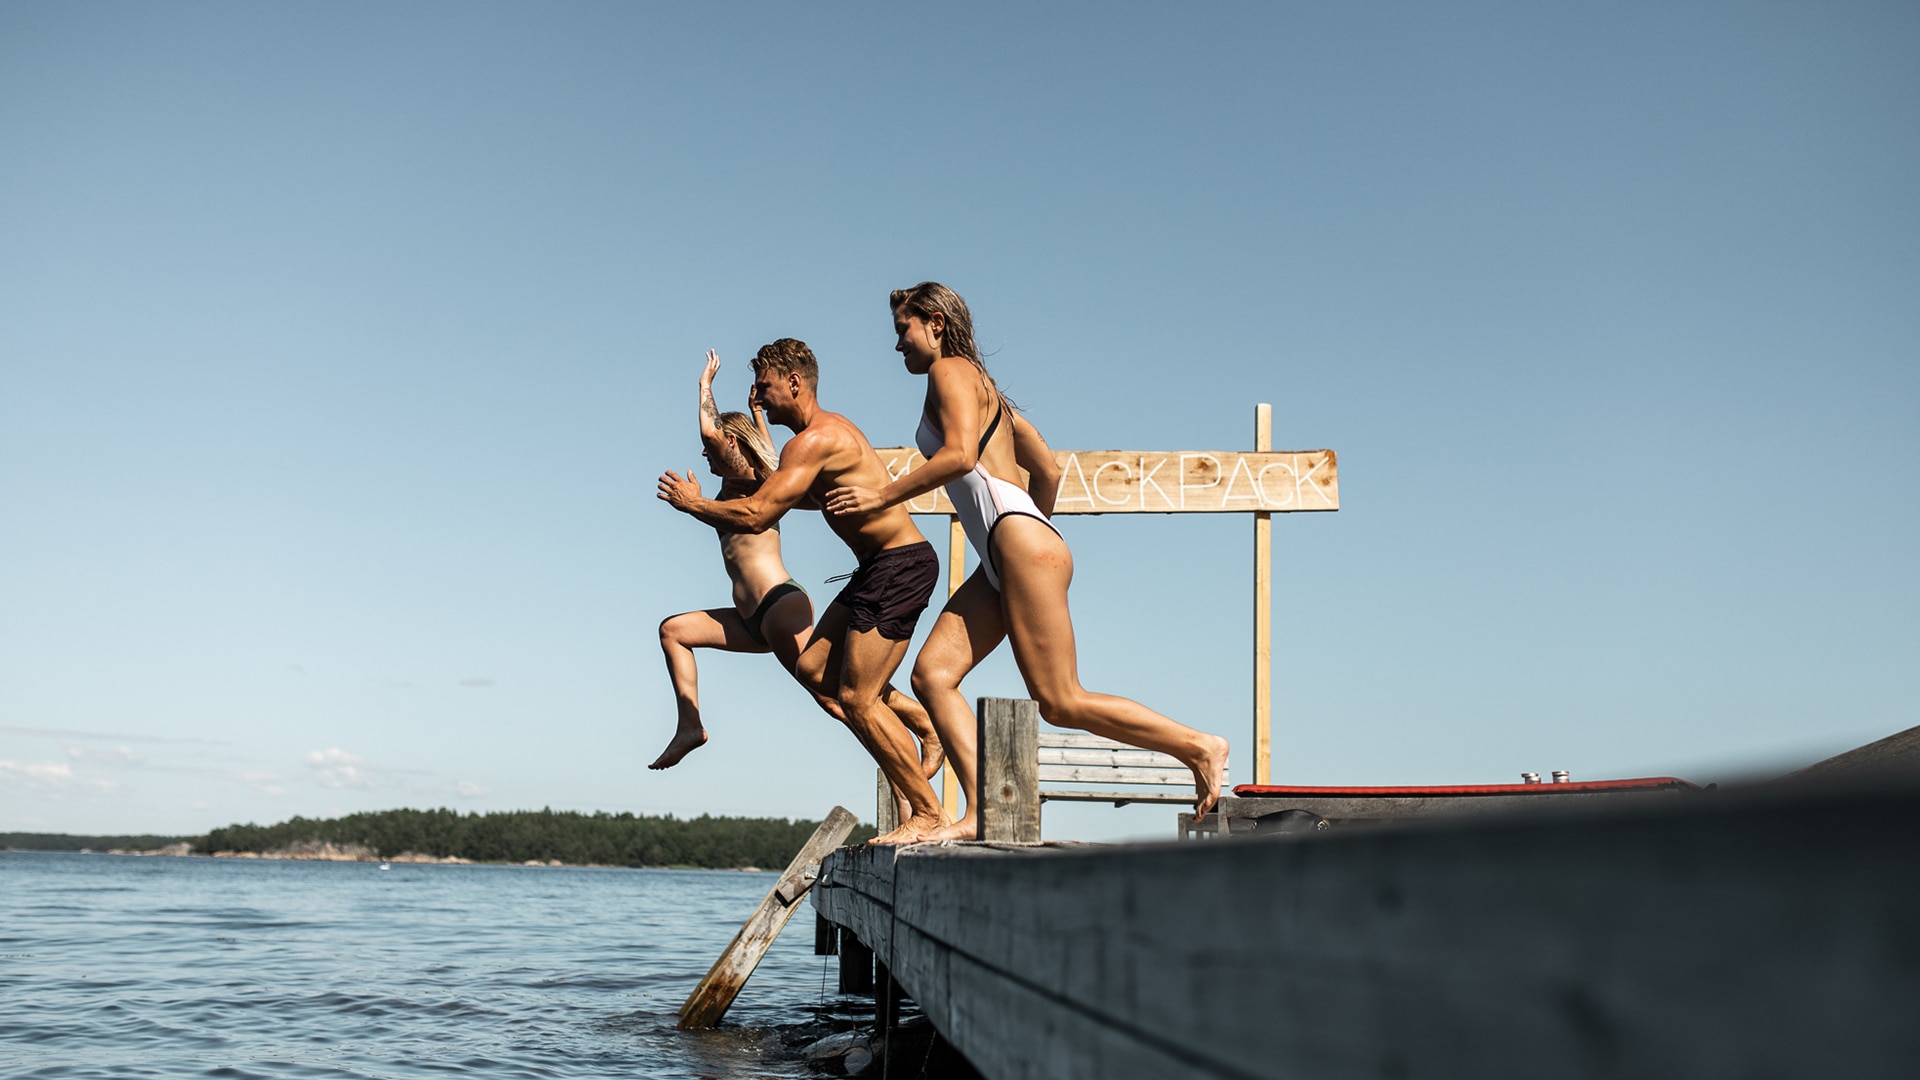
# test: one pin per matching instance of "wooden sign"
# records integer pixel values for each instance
(1170, 481)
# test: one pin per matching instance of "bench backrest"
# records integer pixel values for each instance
(1075, 757)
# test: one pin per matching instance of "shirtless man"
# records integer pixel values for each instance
(862, 636)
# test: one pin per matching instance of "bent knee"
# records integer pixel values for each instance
(669, 633)
(1063, 711)
(929, 680)
(854, 703)
(813, 677)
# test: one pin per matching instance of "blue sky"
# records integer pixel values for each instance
(340, 347)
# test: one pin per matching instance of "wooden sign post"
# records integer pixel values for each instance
(1262, 482)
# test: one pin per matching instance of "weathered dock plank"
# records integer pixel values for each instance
(1718, 936)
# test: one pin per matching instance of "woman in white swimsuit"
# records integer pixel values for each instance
(975, 445)
(770, 612)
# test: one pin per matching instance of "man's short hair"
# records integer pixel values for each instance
(788, 355)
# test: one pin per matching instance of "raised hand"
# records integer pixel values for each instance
(709, 412)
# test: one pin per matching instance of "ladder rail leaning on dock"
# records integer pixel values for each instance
(715, 993)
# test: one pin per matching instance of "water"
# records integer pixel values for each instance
(121, 966)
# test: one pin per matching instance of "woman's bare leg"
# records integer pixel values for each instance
(717, 628)
(1035, 570)
(968, 628)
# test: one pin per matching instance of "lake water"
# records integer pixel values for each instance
(122, 966)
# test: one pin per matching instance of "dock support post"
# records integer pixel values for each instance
(886, 1014)
(856, 965)
(1009, 770)
(826, 936)
(710, 1000)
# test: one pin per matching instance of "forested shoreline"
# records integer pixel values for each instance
(516, 836)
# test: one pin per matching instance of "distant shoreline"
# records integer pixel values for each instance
(408, 858)
(544, 838)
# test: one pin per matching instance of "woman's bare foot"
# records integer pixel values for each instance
(1209, 776)
(684, 743)
(967, 828)
(915, 830)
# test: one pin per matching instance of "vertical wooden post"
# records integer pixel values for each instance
(956, 576)
(886, 808)
(709, 1000)
(1262, 615)
(1009, 770)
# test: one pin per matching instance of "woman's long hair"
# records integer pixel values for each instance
(930, 297)
(756, 446)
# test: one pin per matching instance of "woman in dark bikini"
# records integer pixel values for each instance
(770, 612)
(975, 445)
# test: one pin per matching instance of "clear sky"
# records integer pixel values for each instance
(341, 345)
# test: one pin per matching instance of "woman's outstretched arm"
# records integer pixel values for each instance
(759, 418)
(1031, 453)
(950, 392)
(709, 412)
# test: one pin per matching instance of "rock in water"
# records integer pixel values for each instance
(838, 1046)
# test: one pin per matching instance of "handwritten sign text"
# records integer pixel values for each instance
(1170, 481)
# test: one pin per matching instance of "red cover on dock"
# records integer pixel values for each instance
(1261, 791)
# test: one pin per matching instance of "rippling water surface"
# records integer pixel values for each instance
(124, 966)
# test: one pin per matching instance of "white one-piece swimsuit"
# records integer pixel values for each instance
(980, 499)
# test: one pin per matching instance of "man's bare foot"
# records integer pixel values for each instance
(1209, 776)
(684, 743)
(914, 830)
(967, 828)
(932, 755)
(910, 712)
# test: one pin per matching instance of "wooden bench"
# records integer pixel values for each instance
(1075, 757)
(1017, 756)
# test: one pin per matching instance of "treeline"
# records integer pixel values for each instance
(520, 835)
(33, 841)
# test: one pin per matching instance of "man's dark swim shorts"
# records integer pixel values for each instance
(891, 589)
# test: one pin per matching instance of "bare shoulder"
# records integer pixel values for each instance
(848, 433)
(952, 372)
(805, 446)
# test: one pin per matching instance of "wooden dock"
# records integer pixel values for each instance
(1725, 935)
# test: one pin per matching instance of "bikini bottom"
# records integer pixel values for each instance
(773, 597)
